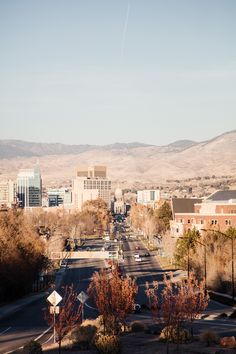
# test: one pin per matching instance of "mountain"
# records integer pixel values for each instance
(134, 162)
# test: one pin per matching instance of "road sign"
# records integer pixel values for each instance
(82, 297)
(54, 310)
(54, 298)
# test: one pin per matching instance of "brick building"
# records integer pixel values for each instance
(217, 212)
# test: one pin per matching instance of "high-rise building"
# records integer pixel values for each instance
(91, 183)
(7, 193)
(29, 188)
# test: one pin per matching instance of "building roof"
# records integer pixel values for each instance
(184, 205)
(221, 196)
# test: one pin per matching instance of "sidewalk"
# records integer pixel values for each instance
(11, 308)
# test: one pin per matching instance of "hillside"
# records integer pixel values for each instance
(127, 162)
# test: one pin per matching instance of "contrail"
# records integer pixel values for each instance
(125, 31)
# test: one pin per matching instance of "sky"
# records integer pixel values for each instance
(105, 71)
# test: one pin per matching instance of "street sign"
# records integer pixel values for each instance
(54, 310)
(54, 298)
(82, 297)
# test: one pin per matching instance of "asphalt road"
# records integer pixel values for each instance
(29, 322)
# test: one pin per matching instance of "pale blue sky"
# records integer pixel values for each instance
(102, 71)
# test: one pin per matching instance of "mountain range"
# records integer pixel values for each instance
(131, 162)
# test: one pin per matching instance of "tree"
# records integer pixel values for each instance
(164, 215)
(114, 297)
(21, 255)
(184, 246)
(176, 303)
(69, 316)
(98, 208)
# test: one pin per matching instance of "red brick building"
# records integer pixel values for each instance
(217, 212)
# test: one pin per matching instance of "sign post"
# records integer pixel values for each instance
(54, 298)
(82, 297)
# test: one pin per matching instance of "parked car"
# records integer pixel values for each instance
(147, 254)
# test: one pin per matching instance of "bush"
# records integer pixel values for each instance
(33, 347)
(83, 336)
(97, 322)
(108, 344)
(222, 315)
(137, 326)
(233, 314)
(172, 334)
(209, 337)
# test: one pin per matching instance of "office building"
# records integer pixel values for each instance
(29, 188)
(59, 196)
(7, 193)
(91, 183)
(148, 197)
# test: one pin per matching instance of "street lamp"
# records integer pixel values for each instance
(231, 237)
(205, 266)
(205, 259)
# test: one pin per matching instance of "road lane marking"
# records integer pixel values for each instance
(5, 331)
(40, 336)
(48, 340)
(90, 307)
(43, 333)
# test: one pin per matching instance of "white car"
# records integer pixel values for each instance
(138, 259)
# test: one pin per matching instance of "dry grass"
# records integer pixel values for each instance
(140, 343)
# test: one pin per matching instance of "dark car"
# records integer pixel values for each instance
(147, 254)
(137, 308)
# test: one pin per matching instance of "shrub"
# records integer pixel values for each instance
(172, 334)
(108, 344)
(209, 337)
(83, 335)
(32, 347)
(223, 315)
(97, 322)
(137, 326)
(233, 314)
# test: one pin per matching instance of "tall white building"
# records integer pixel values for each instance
(7, 193)
(91, 183)
(148, 197)
(29, 188)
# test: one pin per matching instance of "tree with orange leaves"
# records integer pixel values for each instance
(114, 297)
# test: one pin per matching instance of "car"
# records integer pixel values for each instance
(136, 255)
(137, 308)
(138, 259)
(147, 254)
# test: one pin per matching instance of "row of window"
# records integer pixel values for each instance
(213, 222)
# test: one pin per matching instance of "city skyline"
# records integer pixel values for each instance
(151, 72)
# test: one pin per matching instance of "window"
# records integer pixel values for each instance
(213, 222)
(152, 195)
(227, 222)
(202, 222)
(189, 221)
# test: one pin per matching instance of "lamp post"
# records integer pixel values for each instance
(189, 241)
(230, 237)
